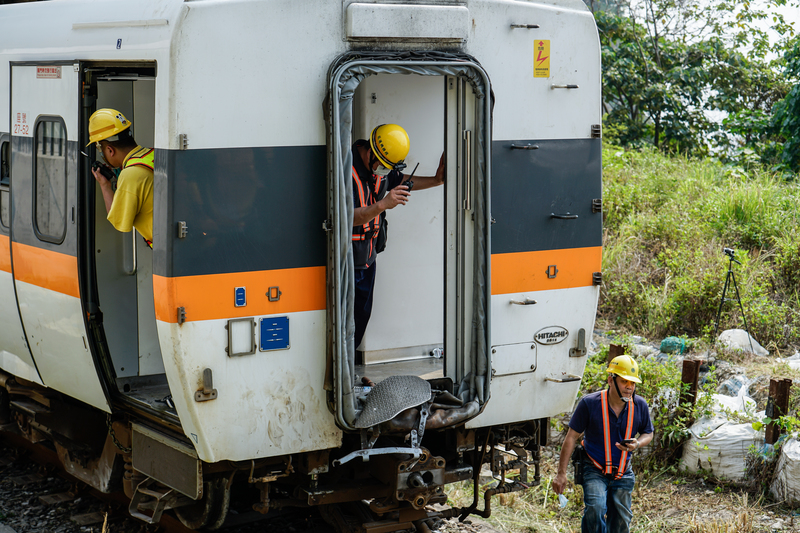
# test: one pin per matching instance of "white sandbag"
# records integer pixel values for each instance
(719, 447)
(739, 339)
(741, 404)
(786, 486)
(793, 361)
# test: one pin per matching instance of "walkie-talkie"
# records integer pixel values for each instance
(104, 169)
(408, 183)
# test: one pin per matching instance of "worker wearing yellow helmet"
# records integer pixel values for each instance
(130, 205)
(614, 423)
(378, 186)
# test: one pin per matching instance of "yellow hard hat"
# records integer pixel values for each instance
(624, 366)
(105, 124)
(390, 144)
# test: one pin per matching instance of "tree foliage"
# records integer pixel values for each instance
(673, 69)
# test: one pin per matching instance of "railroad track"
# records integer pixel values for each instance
(36, 494)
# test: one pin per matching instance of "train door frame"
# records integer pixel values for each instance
(118, 328)
(344, 76)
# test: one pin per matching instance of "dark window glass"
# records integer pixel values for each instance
(5, 182)
(50, 179)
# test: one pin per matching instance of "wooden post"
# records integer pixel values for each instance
(777, 406)
(689, 375)
(615, 350)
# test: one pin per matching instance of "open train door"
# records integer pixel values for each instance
(467, 126)
(45, 111)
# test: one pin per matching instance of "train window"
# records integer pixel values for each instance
(50, 179)
(5, 181)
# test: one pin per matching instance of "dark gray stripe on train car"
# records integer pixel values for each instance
(246, 209)
(560, 176)
(22, 197)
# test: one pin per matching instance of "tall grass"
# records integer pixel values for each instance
(667, 220)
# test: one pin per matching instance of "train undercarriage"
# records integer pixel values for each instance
(375, 482)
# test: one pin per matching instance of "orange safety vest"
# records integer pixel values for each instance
(367, 196)
(147, 160)
(623, 460)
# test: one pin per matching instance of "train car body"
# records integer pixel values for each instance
(229, 346)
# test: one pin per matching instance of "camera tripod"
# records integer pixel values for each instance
(731, 279)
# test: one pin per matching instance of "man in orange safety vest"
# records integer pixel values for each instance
(614, 423)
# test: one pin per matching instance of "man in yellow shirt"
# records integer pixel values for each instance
(131, 205)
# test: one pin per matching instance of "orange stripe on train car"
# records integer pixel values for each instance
(5, 254)
(46, 269)
(528, 271)
(211, 296)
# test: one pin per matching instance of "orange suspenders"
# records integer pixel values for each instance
(363, 196)
(623, 460)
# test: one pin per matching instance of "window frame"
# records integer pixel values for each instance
(55, 239)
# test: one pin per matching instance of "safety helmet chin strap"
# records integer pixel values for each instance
(621, 397)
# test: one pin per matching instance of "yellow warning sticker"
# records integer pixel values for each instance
(541, 58)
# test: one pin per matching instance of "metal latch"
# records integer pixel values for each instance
(183, 141)
(183, 229)
(181, 315)
(208, 392)
(597, 131)
(551, 271)
(580, 350)
(597, 278)
(597, 205)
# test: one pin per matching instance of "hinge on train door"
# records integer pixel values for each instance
(183, 141)
(597, 205)
(597, 278)
(181, 315)
(580, 350)
(597, 131)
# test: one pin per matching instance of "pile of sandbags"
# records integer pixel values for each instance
(719, 446)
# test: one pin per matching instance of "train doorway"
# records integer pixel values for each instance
(431, 313)
(123, 262)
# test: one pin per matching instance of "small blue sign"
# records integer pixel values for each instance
(240, 297)
(274, 333)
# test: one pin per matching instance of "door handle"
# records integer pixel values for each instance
(129, 261)
(568, 378)
(526, 301)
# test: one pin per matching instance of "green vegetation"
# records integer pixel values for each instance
(702, 78)
(667, 220)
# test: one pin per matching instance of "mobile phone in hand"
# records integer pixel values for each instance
(629, 441)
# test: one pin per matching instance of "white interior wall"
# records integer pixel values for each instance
(407, 316)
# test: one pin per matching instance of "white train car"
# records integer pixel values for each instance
(228, 347)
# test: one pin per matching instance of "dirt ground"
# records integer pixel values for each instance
(661, 503)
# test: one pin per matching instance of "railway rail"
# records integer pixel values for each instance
(36, 494)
